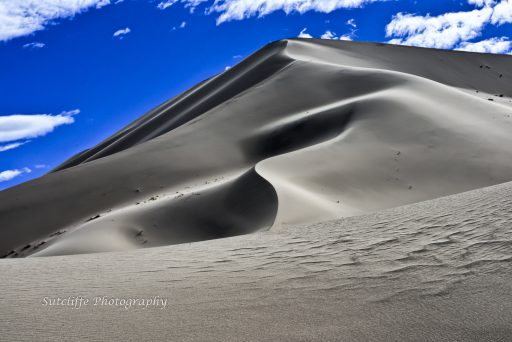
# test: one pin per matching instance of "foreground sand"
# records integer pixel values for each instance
(432, 271)
(302, 131)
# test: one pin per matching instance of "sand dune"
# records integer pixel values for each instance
(303, 131)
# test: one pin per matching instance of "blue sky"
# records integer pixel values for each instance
(72, 72)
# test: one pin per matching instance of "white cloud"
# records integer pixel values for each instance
(34, 45)
(102, 3)
(182, 26)
(453, 29)
(443, 31)
(41, 166)
(166, 4)
(19, 126)
(7, 175)
(12, 146)
(333, 36)
(492, 45)
(327, 35)
(191, 4)
(502, 13)
(23, 17)
(352, 22)
(481, 3)
(121, 33)
(229, 10)
(241, 9)
(346, 37)
(304, 34)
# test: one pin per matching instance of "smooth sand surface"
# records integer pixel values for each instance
(431, 271)
(301, 132)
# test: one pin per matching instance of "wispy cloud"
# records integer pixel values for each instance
(121, 33)
(190, 4)
(12, 146)
(21, 127)
(166, 4)
(181, 26)
(7, 175)
(23, 17)
(34, 45)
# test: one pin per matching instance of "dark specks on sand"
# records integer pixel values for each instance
(93, 218)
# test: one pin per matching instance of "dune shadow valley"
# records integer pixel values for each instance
(317, 190)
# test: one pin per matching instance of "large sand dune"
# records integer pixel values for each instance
(301, 132)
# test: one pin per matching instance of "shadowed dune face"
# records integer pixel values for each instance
(300, 132)
(243, 204)
(295, 133)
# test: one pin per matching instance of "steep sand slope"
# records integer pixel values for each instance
(433, 271)
(300, 132)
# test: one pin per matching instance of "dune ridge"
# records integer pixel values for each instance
(303, 131)
(190, 104)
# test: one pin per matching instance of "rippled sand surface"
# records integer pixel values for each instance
(432, 271)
